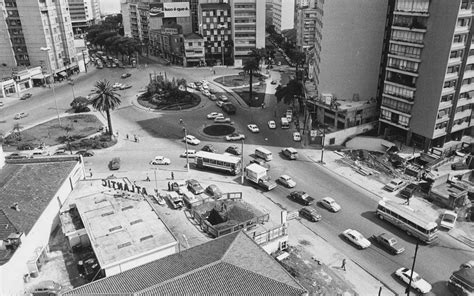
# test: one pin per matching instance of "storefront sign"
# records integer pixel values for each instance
(176, 9)
(117, 185)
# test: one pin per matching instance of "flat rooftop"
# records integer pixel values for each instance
(120, 225)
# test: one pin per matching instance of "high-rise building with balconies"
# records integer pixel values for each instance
(428, 72)
(283, 15)
(83, 14)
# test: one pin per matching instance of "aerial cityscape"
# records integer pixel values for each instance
(236, 147)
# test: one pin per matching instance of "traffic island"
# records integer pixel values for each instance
(219, 130)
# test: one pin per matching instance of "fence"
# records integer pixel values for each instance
(225, 196)
(272, 234)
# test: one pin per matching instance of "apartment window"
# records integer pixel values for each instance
(451, 83)
(408, 51)
(453, 69)
(444, 112)
(463, 22)
(447, 98)
(396, 105)
(403, 120)
(456, 54)
(465, 4)
(469, 67)
(407, 36)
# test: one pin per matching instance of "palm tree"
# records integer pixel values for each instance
(258, 54)
(251, 66)
(105, 100)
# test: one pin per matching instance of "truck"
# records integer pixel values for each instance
(461, 282)
(257, 174)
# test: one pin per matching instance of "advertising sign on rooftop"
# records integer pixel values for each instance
(176, 9)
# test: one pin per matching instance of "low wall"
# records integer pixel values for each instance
(339, 137)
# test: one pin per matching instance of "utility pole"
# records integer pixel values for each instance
(242, 160)
(322, 147)
(407, 291)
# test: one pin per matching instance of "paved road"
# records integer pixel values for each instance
(434, 262)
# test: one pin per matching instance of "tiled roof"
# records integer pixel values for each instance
(230, 265)
(6, 228)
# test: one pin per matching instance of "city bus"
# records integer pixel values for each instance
(221, 162)
(263, 153)
(406, 219)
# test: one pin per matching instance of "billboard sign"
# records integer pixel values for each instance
(156, 10)
(176, 9)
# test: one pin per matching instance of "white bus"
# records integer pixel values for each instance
(220, 162)
(406, 219)
(285, 123)
(263, 153)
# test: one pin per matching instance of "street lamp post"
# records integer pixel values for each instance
(242, 160)
(47, 49)
(84, 60)
(71, 83)
(223, 43)
(186, 144)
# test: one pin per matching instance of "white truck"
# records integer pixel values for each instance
(257, 174)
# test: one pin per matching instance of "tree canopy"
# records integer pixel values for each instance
(105, 100)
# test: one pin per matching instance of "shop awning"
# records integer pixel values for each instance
(40, 76)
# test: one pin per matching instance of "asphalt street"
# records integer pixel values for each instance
(162, 134)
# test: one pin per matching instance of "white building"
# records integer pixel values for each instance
(283, 15)
(83, 14)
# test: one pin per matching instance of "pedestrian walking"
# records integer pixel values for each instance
(135, 138)
(169, 186)
(343, 266)
(180, 121)
(147, 178)
(90, 173)
(407, 202)
(127, 136)
(172, 176)
(214, 72)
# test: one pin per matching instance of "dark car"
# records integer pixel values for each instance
(301, 197)
(26, 96)
(25, 146)
(16, 156)
(235, 150)
(214, 191)
(209, 148)
(310, 213)
(46, 288)
(114, 164)
(389, 243)
(229, 108)
(195, 187)
(459, 166)
(126, 75)
(261, 162)
(85, 153)
(409, 190)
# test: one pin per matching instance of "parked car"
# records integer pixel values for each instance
(46, 288)
(356, 238)
(20, 115)
(85, 153)
(194, 186)
(213, 115)
(388, 242)
(296, 137)
(160, 160)
(448, 219)
(16, 156)
(253, 128)
(214, 191)
(213, 97)
(330, 204)
(261, 162)
(229, 108)
(114, 164)
(223, 98)
(417, 282)
(26, 96)
(191, 85)
(222, 119)
(191, 140)
(310, 213)
(301, 197)
(219, 103)
(125, 86)
(272, 124)
(1, 104)
(212, 91)
(234, 150)
(459, 166)
(190, 153)
(125, 75)
(409, 190)
(209, 148)
(235, 137)
(394, 185)
(286, 181)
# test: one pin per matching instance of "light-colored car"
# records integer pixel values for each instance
(212, 91)
(46, 288)
(213, 97)
(20, 115)
(394, 185)
(160, 160)
(253, 128)
(296, 137)
(213, 115)
(448, 219)
(117, 85)
(356, 238)
(235, 137)
(125, 86)
(223, 98)
(191, 140)
(219, 103)
(190, 153)
(286, 181)
(191, 85)
(222, 119)
(417, 282)
(272, 124)
(330, 204)
(206, 93)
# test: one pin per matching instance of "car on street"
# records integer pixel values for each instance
(219, 103)
(286, 181)
(356, 238)
(125, 75)
(272, 124)
(310, 213)
(85, 153)
(417, 283)
(290, 153)
(114, 164)
(234, 150)
(213, 115)
(273, 82)
(209, 148)
(296, 137)
(213, 97)
(409, 190)
(191, 140)
(301, 197)
(46, 288)
(253, 128)
(235, 137)
(223, 98)
(194, 186)
(125, 86)
(212, 91)
(198, 83)
(160, 160)
(20, 115)
(394, 185)
(26, 96)
(1, 104)
(330, 204)
(206, 93)
(261, 162)
(214, 191)
(16, 155)
(191, 85)
(448, 219)
(190, 153)
(388, 242)
(222, 119)
(116, 86)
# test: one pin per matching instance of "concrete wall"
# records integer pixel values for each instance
(342, 135)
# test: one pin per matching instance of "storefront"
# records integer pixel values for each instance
(8, 88)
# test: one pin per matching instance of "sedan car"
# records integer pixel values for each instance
(222, 119)
(235, 137)
(85, 153)
(234, 150)
(272, 124)
(301, 197)
(310, 213)
(394, 185)
(356, 238)
(209, 148)
(191, 85)
(191, 140)
(190, 153)
(20, 115)
(213, 115)
(389, 242)
(160, 160)
(330, 204)
(26, 96)
(125, 86)
(448, 219)
(223, 98)
(296, 137)
(219, 103)
(214, 191)
(194, 186)
(46, 288)
(286, 181)
(417, 282)
(253, 128)
(125, 75)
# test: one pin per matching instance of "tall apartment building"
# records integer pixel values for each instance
(283, 15)
(30, 26)
(306, 14)
(428, 86)
(83, 14)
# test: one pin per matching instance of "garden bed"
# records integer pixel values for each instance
(191, 100)
(237, 80)
(257, 92)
